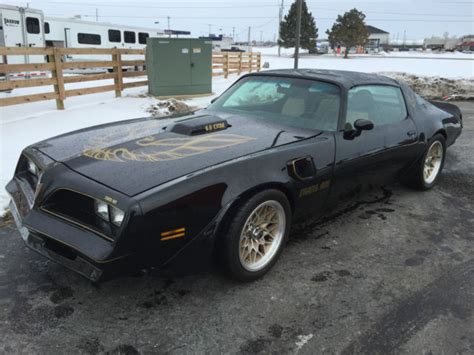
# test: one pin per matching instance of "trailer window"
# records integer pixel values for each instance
(115, 36)
(88, 38)
(129, 37)
(142, 36)
(32, 25)
(46, 27)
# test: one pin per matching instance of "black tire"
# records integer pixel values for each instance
(415, 178)
(229, 246)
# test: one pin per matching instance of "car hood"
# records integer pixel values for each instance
(136, 155)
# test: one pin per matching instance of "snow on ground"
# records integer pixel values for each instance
(446, 65)
(22, 125)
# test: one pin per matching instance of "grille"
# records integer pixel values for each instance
(78, 209)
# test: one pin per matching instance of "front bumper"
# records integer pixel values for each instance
(73, 247)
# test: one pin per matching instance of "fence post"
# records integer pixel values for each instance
(259, 61)
(118, 79)
(57, 73)
(250, 61)
(240, 62)
(226, 68)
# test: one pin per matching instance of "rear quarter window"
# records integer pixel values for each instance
(381, 104)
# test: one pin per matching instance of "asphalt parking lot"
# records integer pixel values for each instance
(393, 274)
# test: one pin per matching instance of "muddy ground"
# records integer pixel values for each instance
(394, 274)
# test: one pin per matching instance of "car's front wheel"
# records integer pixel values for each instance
(256, 235)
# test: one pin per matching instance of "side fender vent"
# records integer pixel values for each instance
(302, 168)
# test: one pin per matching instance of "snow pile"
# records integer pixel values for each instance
(435, 87)
(165, 108)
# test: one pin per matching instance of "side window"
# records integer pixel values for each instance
(382, 104)
(129, 36)
(46, 27)
(115, 36)
(142, 36)
(88, 38)
(32, 25)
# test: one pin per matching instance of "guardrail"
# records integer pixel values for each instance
(224, 63)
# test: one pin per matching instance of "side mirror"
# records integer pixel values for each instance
(359, 125)
(363, 125)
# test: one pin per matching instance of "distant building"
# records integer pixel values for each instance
(406, 44)
(378, 39)
(442, 43)
(466, 43)
(219, 42)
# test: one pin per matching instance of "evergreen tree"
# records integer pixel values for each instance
(349, 30)
(309, 31)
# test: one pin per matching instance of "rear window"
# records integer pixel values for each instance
(89, 38)
(115, 36)
(142, 36)
(32, 25)
(129, 37)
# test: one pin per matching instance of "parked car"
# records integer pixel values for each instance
(226, 182)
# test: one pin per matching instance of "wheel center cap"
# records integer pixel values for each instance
(255, 232)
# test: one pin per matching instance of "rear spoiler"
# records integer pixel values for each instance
(448, 107)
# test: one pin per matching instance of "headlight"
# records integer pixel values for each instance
(109, 213)
(102, 210)
(32, 168)
(116, 216)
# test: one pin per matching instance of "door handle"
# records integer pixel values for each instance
(192, 64)
(411, 133)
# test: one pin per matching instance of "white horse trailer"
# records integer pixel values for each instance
(75, 33)
(27, 27)
(21, 27)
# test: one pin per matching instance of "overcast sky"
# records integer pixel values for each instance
(419, 18)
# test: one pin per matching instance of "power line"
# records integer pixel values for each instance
(254, 5)
(267, 17)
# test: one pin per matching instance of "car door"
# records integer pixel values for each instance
(401, 134)
(359, 159)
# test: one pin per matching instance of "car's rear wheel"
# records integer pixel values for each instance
(426, 172)
(256, 235)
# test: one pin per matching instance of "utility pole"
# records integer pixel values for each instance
(280, 18)
(299, 5)
(96, 15)
(169, 29)
(210, 29)
(233, 34)
(261, 37)
(249, 49)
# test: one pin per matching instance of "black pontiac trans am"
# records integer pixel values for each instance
(226, 182)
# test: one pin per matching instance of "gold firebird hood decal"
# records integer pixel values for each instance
(150, 149)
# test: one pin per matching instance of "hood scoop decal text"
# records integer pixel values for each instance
(199, 125)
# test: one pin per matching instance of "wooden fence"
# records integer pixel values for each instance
(224, 63)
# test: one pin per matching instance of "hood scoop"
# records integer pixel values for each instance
(199, 125)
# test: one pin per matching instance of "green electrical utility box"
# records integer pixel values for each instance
(179, 66)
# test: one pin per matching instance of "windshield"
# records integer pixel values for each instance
(294, 102)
